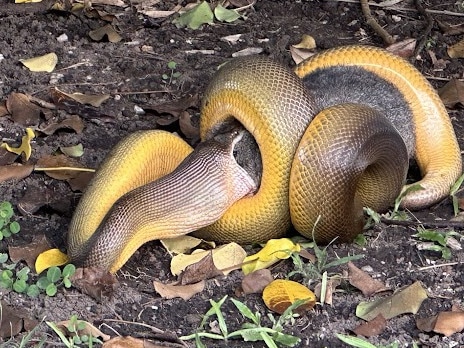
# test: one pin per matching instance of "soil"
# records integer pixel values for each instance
(127, 70)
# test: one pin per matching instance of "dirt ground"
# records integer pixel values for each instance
(128, 70)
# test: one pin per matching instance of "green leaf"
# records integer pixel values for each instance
(6, 232)
(68, 270)
(343, 260)
(7, 274)
(285, 339)
(23, 273)
(54, 274)
(246, 312)
(67, 283)
(446, 253)
(176, 74)
(20, 286)
(3, 257)
(33, 290)
(164, 77)
(431, 235)
(172, 65)
(51, 290)
(15, 227)
(6, 283)
(43, 283)
(224, 15)
(194, 18)
(355, 341)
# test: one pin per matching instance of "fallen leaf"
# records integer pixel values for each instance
(281, 294)
(195, 17)
(299, 54)
(187, 128)
(45, 63)
(15, 172)
(201, 270)
(249, 51)
(84, 328)
(183, 291)
(446, 323)
(226, 258)
(29, 252)
(407, 300)
(73, 122)
(95, 282)
(25, 146)
(274, 251)
(183, 244)
(372, 328)
(7, 157)
(13, 320)
(452, 93)
(22, 111)
(403, 48)
(307, 42)
(73, 151)
(456, 50)
(170, 111)
(331, 286)
(255, 282)
(450, 29)
(130, 342)
(50, 258)
(80, 181)
(108, 31)
(59, 161)
(36, 197)
(223, 14)
(363, 281)
(95, 100)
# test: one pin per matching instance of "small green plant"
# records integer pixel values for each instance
(362, 343)
(173, 75)
(74, 337)
(439, 240)
(250, 331)
(455, 189)
(317, 270)
(55, 278)
(7, 227)
(19, 281)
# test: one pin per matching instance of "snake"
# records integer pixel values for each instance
(306, 148)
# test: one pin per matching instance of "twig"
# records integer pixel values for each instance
(422, 42)
(440, 265)
(399, 9)
(370, 20)
(426, 224)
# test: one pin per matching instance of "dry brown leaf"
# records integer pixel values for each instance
(450, 29)
(457, 50)
(29, 252)
(50, 161)
(95, 282)
(426, 324)
(407, 300)
(10, 323)
(363, 281)
(95, 100)
(22, 111)
(226, 258)
(331, 286)
(7, 157)
(201, 270)
(36, 197)
(403, 48)
(183, 291)
(80, 181)
(255, 282)
(299, 54)
(452, 93)
(74, 122)
(3, 109)
(448, 323)
(187, 128)
(169, 112)
(108, 31)
(130, 342)
(372, 328)
(87, 329)
(45, 63)
(15, 172)
(281, 294)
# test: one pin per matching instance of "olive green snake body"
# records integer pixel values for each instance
(326, 140)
